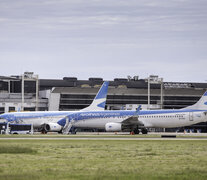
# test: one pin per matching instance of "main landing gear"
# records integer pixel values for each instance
(144, 131)
(137, 131)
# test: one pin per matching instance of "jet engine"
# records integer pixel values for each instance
(54, 127)
(112, 127)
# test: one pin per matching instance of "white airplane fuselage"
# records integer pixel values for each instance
(157, 118)
(98, 119)
(36, 118)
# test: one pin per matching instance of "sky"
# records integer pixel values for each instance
(104, 38)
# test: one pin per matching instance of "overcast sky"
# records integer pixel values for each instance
(104, 38)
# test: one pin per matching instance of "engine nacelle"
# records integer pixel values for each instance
(54, 127)
(113, 127)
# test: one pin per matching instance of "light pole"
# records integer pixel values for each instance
(37, 92)
(152, 79)
(22, 106)
(148, 104)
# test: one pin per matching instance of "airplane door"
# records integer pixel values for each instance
(191, 116)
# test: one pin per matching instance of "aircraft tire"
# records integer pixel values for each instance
(144, 131)
(136, 131)
(44, 131)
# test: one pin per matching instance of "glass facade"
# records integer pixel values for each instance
(79, 101)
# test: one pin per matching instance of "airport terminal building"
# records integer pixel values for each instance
(29, 93)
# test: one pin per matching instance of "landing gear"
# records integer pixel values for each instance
(144, 131)
(43, 131)
(136, 131)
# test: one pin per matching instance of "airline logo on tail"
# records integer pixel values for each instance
(99, 102)
(205, 94)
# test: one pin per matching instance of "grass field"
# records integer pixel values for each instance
(102, 159)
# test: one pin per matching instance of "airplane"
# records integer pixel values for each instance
(47, 121)
(134, 121)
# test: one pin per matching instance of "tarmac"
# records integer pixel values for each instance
(109, 136)
(114, 139)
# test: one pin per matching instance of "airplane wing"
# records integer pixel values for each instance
(133, 120)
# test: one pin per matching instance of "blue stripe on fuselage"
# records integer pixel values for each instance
(27, 115)
(88, 115)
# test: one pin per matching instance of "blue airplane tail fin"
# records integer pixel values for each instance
(201, 104)
(102, 93)
(99, 101)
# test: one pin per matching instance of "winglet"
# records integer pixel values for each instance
(138, 110)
